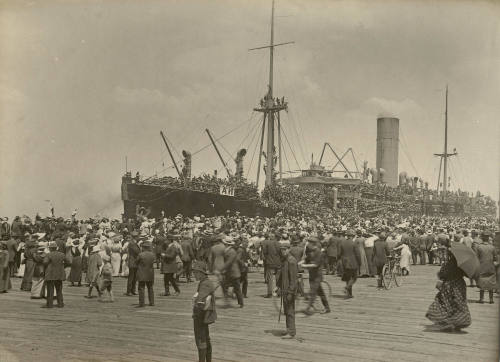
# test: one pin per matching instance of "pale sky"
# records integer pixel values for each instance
(85, 83)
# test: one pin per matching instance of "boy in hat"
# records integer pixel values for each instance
(203, 311)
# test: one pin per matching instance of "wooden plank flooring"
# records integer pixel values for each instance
(374, 326)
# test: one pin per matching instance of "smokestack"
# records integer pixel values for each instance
(388, 148)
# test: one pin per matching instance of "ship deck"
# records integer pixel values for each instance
(374, 326)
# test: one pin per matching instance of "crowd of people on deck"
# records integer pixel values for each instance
(91, 253)
(238, 186)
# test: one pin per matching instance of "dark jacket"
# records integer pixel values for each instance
(349, 254)
(380, 252)
(133, 253)
(270, 251)
(187, 250)
(286, 277)
(169, 264)
(231, 264)
(145, 270)
(331, 249)
(12, 248)
(54, 266)
(242, 258)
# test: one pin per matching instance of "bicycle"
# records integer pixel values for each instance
(302, 297)
(392, 272)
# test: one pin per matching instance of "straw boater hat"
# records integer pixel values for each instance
(52, 245)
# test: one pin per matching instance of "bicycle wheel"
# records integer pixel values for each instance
(386, 277)
(397, 275)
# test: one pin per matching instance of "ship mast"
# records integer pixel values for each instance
(270, 109)
(444, 156)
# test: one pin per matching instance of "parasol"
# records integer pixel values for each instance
(466, 259)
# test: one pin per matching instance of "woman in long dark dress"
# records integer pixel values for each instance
(75, 274)
(449, 310)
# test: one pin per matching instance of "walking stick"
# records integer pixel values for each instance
(281, 306)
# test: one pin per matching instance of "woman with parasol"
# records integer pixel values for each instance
(449, 310)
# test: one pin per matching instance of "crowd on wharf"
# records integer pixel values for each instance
(47, 251)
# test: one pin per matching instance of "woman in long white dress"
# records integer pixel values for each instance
(405, 260)
(125, 259)
(116, 256)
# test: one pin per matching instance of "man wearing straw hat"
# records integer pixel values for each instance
(146, 273)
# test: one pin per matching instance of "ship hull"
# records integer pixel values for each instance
(172, 201)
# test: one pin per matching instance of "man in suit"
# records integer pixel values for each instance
(287, 281)
(54, 275)
(216, 256)
(187, 257)
(313, 263)
(133, 253)
(146, 273)
(379, 257)
(12, 245)
(231, 271)
(270, 252)
(169, 264)
(351, 259)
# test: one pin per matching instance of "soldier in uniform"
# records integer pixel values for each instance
(203, 311)
(286, 279)
(146, 273)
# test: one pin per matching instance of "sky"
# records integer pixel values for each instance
(85, 85)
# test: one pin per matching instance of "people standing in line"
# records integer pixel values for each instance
(286, 279)
(204, 312)
(133, 252)
(54, 275)
(146, 273)
(75, 274)
(169, 265)
(488, 260)
(270, 252)
(349, 254)
(313, 264)
(231, 272)
(380, 253)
